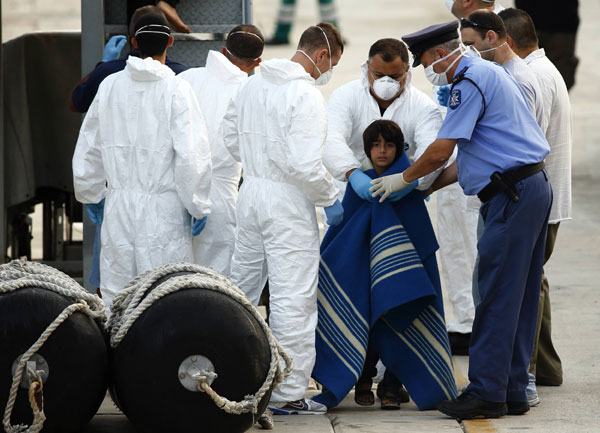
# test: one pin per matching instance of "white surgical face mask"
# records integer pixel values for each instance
(472, 52)
(490, 49)
(449, 4)
(386, 87)
(441, 79)
(324, 77)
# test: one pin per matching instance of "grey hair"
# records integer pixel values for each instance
(448, 46)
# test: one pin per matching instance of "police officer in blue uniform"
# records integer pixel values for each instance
(500, 158)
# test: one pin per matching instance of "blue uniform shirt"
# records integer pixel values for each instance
(84, 93)
(506, 137)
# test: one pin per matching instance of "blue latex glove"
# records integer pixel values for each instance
(113, 48)
(335, 213)
(360, 184)
(198, 226)
(395, 196)
(443, 95)
(96, 212)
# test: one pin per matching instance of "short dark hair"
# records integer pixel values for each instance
(313, 39)
(389, 49)
(519, 27)
(482, 21)
(245, 42)
(152, 44)
(139, 12)
(389, 130)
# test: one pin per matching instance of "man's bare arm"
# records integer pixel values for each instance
(446, 177)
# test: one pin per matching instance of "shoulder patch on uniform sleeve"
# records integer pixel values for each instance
(455, 99)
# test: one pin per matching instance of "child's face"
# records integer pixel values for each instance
(383, 154)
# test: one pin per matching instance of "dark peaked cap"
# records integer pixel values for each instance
(421, 41)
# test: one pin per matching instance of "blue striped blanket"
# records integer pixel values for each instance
(378, 280)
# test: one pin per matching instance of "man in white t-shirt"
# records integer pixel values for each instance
(545, 362)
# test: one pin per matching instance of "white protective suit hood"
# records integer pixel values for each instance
(147, 69)
(217, 64)
(280, 71)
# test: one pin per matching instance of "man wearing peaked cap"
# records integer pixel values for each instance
(456, 222)
(422, 40)
(500, 158)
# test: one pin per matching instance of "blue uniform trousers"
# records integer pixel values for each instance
(94, 278)
(511, 252)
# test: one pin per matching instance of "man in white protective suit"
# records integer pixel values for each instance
(143, 148)
(276, 127)
(382, 92)
(215, 86)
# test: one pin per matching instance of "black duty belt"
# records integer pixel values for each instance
(504, 182)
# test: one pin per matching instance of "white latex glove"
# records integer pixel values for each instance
(388, 184)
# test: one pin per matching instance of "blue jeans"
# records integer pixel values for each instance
(94, 278)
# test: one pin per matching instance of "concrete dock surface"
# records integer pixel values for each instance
(573, 271)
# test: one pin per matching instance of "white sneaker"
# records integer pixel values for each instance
(299, 407)
(531, 392)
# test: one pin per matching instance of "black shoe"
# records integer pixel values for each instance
(277, 41)
(517, 407)
(459, 343)
(468, 406)
(403, 395)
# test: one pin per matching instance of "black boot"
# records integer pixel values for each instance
(517, 407)
(468, 406)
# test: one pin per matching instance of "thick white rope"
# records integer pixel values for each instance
(130, 303)
(18, 275)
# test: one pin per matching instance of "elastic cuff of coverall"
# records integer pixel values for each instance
(343, 177)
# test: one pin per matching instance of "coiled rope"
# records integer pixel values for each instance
(134, 299)
(18, 275)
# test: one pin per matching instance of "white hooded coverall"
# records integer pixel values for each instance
(143, 146)
(215, 86)
(276, 127)
(351, 108)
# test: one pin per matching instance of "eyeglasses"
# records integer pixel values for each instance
(466, 23)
